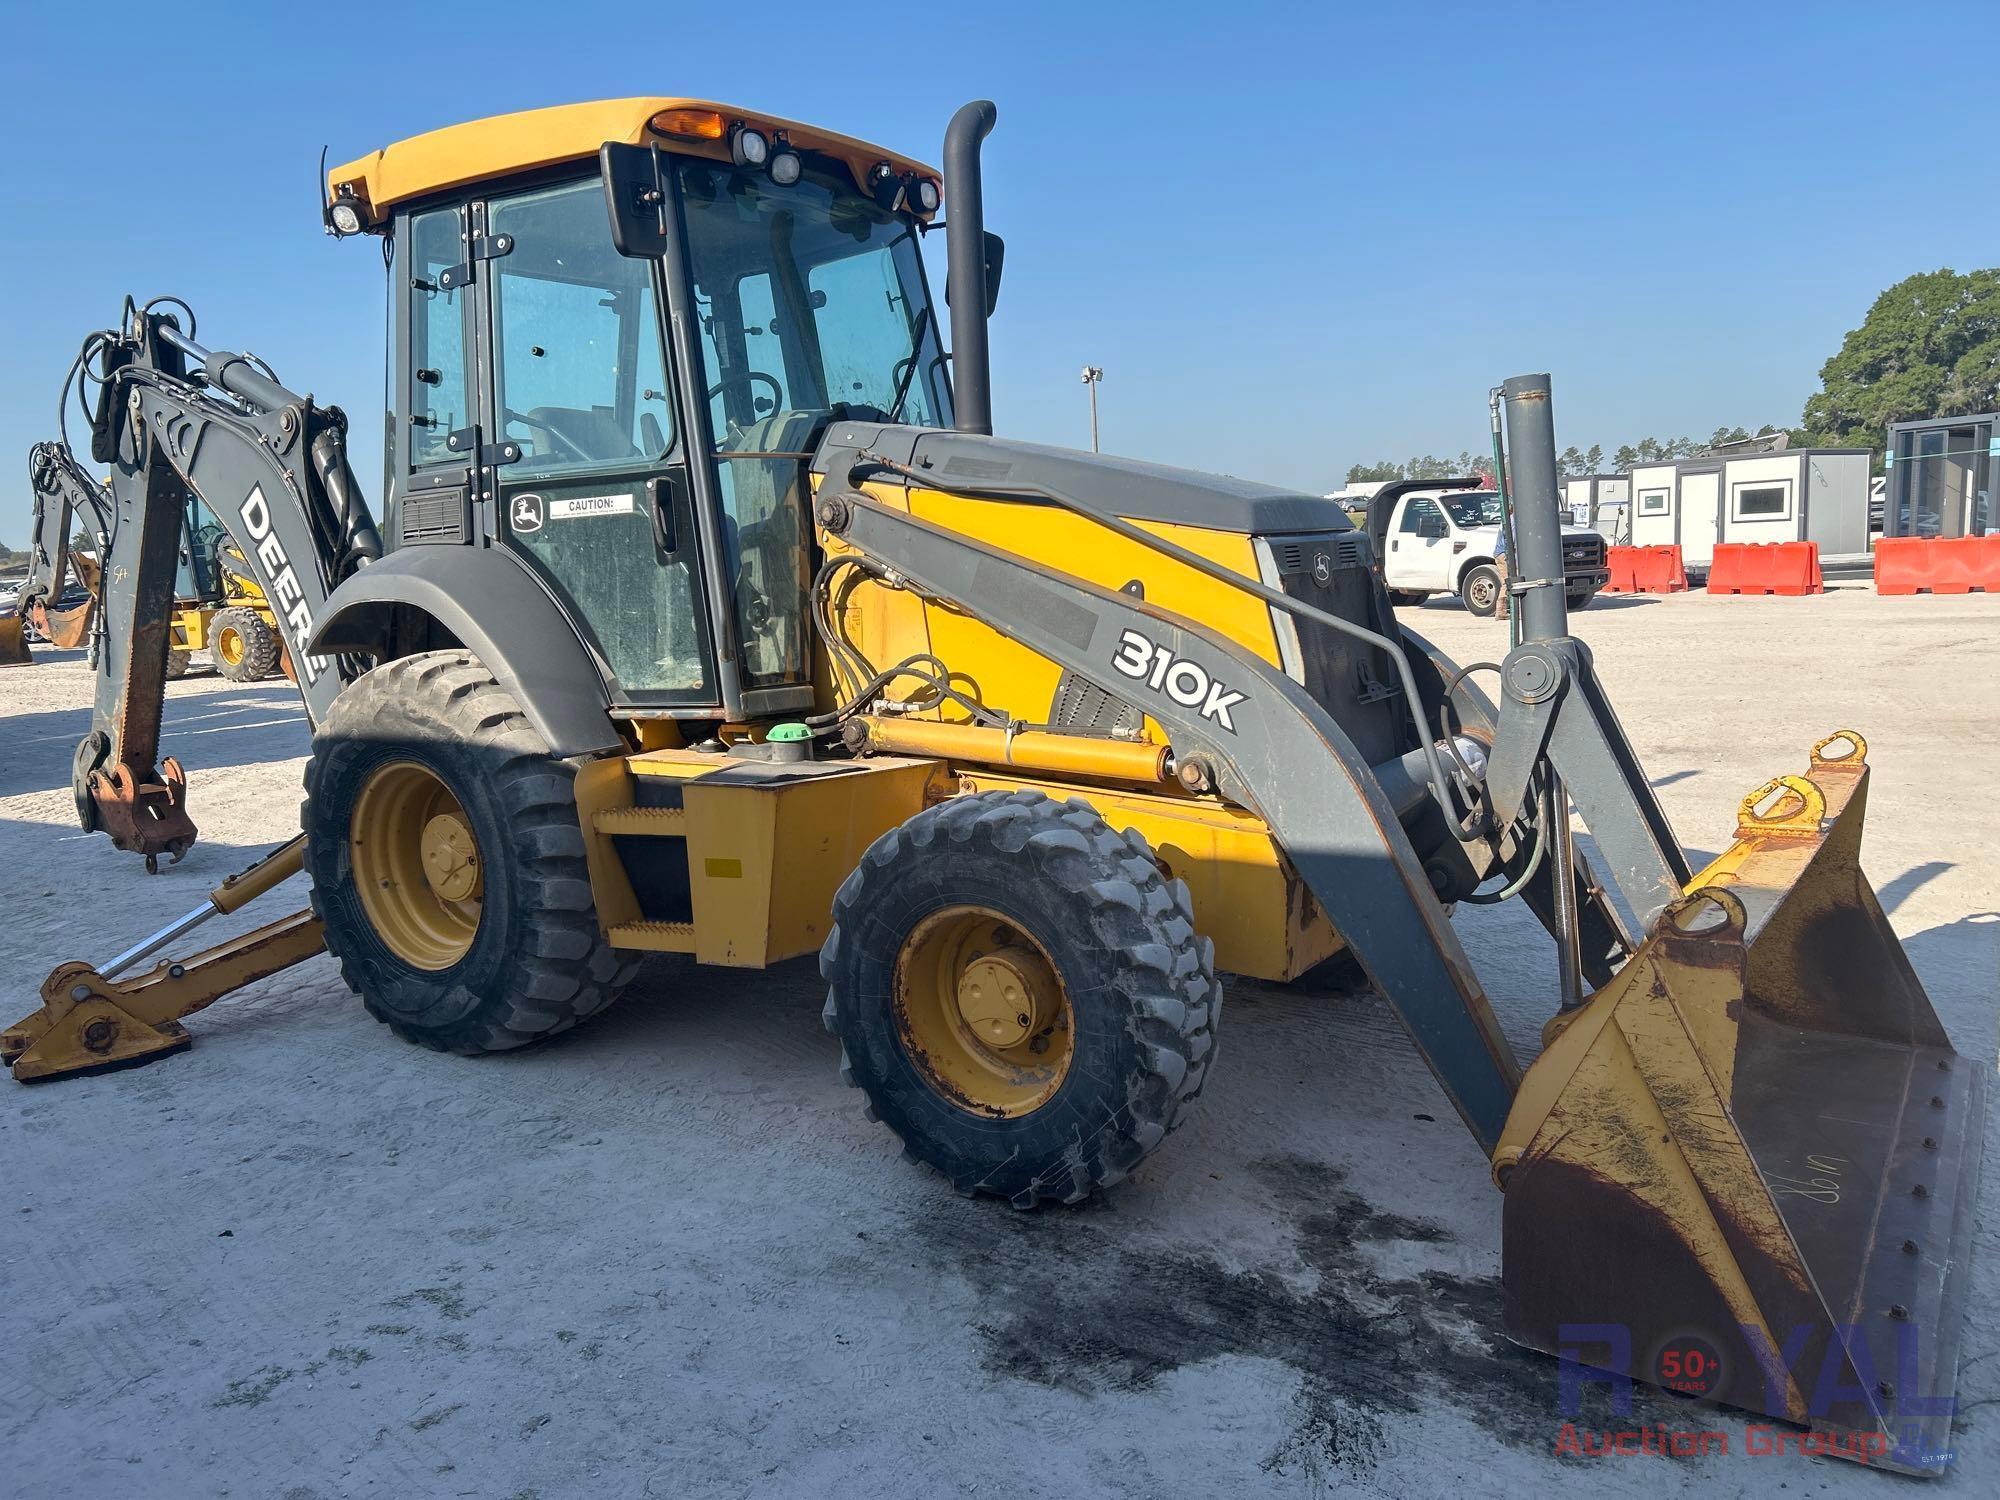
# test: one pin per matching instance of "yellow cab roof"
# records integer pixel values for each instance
(440, 160)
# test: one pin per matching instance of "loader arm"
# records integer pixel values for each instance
(1268, 745)
(175, 421)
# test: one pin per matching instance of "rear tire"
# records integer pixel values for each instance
(244, 648)
(1479, 590)
(1408, 598)
(532, 960)
(1137, 990)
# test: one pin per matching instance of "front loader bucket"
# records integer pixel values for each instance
(13, 643)
(1746, 1168)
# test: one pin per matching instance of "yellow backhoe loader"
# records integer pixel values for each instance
(712, 619)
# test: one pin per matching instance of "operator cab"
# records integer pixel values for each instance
(634, 420)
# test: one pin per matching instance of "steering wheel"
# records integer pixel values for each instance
(556, 435)
(777, 390)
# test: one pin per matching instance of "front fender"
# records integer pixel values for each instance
(497, 612)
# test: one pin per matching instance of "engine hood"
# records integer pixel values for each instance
(1135, 490)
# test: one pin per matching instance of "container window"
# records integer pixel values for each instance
(1762, 502)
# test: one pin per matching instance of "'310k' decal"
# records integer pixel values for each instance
(1187, 683)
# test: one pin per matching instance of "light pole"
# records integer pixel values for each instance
(1092, 374)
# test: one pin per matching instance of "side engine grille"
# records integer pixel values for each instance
(1354, 682)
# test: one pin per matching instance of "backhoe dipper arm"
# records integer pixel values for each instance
(173, 420)
(1273, 749)
(63, 492)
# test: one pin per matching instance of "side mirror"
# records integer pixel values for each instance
(995, 256)
(1432, 526)
(635, 192)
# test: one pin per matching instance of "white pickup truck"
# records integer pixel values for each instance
(1444, 542)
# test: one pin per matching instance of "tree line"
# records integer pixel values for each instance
(1928, 347)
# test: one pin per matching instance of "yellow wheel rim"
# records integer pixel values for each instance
(229, 645)
(416, 865)
(982, 1012)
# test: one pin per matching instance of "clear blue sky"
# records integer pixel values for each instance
(1293, 236)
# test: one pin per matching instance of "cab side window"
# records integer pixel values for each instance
(581, 375)
(1421, 514)
(439, 405)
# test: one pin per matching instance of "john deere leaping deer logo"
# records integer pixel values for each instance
(525, 515)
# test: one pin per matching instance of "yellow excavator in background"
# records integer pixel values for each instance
(712, 619)
(218, 607)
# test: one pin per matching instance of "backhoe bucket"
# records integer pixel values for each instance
(1746, 1168)
(13, 643)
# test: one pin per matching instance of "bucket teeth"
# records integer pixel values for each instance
(1756, 1149)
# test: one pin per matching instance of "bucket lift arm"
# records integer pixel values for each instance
(173, 420)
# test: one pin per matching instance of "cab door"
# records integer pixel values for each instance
(592, 486)
(1420, 549)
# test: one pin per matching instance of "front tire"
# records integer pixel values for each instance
(1581, 599)
(1479, 589)
(245, 649)
(1021, 994)
(447, 862)
(178, 662)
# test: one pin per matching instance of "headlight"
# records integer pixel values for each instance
(346, 218)
(927, 195)
(786, 167)
(748, 148)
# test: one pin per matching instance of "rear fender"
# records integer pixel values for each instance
(491, 606)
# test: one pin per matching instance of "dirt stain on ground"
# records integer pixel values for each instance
(1079, 1306)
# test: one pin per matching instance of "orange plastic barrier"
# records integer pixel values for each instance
(1937, 565)
(1645, 570)
(1658, 570)
(1765, 568)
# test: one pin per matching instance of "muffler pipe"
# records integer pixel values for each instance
(965, 253)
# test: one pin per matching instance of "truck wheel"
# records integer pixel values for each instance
(1480, 589)
(1581, 599)
(178, 662)
(244, 648)
(447, 863)
(1407, 598)
(1021, 995)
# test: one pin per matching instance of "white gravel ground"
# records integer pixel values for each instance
(665, 1255)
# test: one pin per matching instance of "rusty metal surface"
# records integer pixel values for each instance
(144, 816)
(1759, 1136)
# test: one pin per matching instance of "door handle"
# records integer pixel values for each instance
(662, 494)
(1394, 545)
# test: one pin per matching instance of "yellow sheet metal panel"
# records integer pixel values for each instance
(890, 624)
(603, 791)
(190, 629)
(765, 856)
(501, 145)
(1264, 921)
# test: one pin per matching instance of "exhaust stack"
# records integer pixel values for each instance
(965, 249)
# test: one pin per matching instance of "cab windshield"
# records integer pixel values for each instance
(811, 297)
(1473, 507)
(812, 306)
